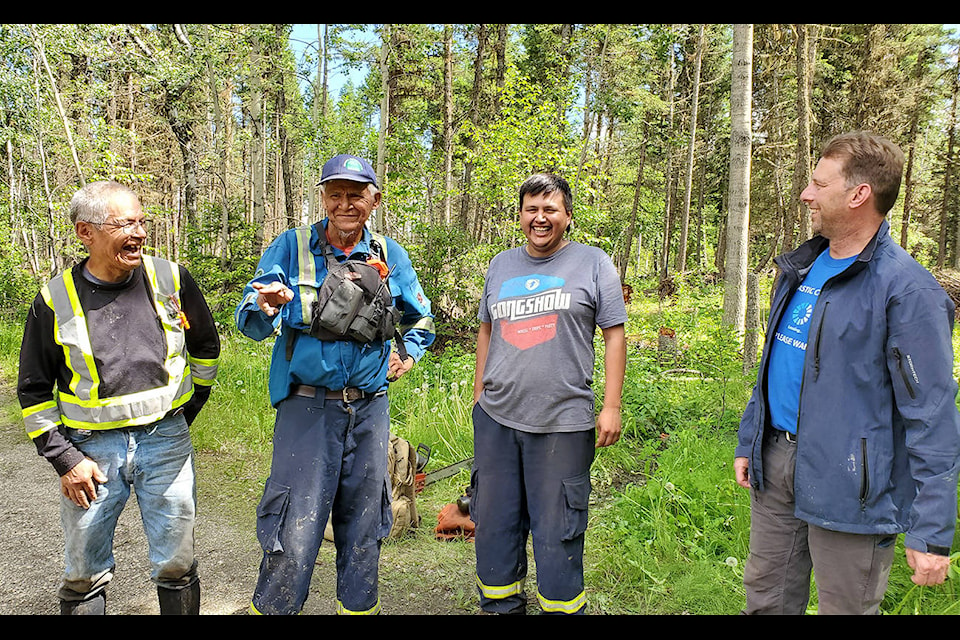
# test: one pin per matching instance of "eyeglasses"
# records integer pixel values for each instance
(130, 226)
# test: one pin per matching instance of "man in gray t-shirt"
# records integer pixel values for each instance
(543, 314)
(534, 428)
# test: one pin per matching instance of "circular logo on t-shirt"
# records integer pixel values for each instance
(532, 284)
(802, 313)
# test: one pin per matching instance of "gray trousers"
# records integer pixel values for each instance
(851, 570)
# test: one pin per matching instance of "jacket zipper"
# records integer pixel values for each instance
(903, 373)
(816, 344)
(864, 474)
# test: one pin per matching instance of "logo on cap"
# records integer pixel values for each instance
(353, 165)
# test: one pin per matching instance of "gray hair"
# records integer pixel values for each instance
(372, 189)
(92, 202)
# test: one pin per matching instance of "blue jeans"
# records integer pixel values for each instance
(157, 461)
(328, 458)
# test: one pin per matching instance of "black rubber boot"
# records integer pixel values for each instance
(95, 606)
(180, 602)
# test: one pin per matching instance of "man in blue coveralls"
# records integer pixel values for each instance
(332, 428)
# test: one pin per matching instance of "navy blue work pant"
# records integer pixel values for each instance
(527, 483)
(328, 456)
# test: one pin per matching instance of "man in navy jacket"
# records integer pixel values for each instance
(852, 435)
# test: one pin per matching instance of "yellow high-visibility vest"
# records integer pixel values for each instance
(81, 407)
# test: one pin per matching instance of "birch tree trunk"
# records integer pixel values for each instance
(381, 218)
(801, 169)
(691, 146)
(668, 171)
(59, 102)
(257, 182)
(320, 121)
(223, 237)
(447, 122)
(948, 169)
(738, 215)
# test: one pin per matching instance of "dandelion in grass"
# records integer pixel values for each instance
(731, 562)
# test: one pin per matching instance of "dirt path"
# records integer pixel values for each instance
(418, 574)
(31, 544)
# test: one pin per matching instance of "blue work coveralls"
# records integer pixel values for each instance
(330, 455)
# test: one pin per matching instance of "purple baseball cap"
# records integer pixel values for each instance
(348, 167)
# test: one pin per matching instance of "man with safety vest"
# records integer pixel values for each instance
(339, 340)
(119, 354)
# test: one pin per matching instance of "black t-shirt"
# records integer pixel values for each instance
(124, 329)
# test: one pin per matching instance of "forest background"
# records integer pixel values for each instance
(687, 146)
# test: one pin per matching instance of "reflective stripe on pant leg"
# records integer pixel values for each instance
(291, 517)
(498, 508)
(562, 606)
(500, 592)
(343, 611)
(361, 509)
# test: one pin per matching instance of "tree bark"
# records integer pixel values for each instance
(801, 168)
(381, 218)
(912, 138)
(738, 216)
(948, 169)
(257, 181)
(59, 102)
(668, 170)
(632, 228)
(691, 146)
(473, 114)
(751, 336)
(447, 124)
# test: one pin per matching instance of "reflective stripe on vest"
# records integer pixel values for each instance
(82, 407)
(307, 283)
(41, 418)
(203, 371)
(425, 323)
(562, 606)
(307, 277)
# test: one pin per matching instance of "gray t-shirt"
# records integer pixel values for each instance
(543, 314)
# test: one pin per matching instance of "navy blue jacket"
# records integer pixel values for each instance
(878, 437)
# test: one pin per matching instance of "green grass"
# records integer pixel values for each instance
(677, 542)
(432, 405)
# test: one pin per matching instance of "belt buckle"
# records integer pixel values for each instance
(350, 394)
(791, 437)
